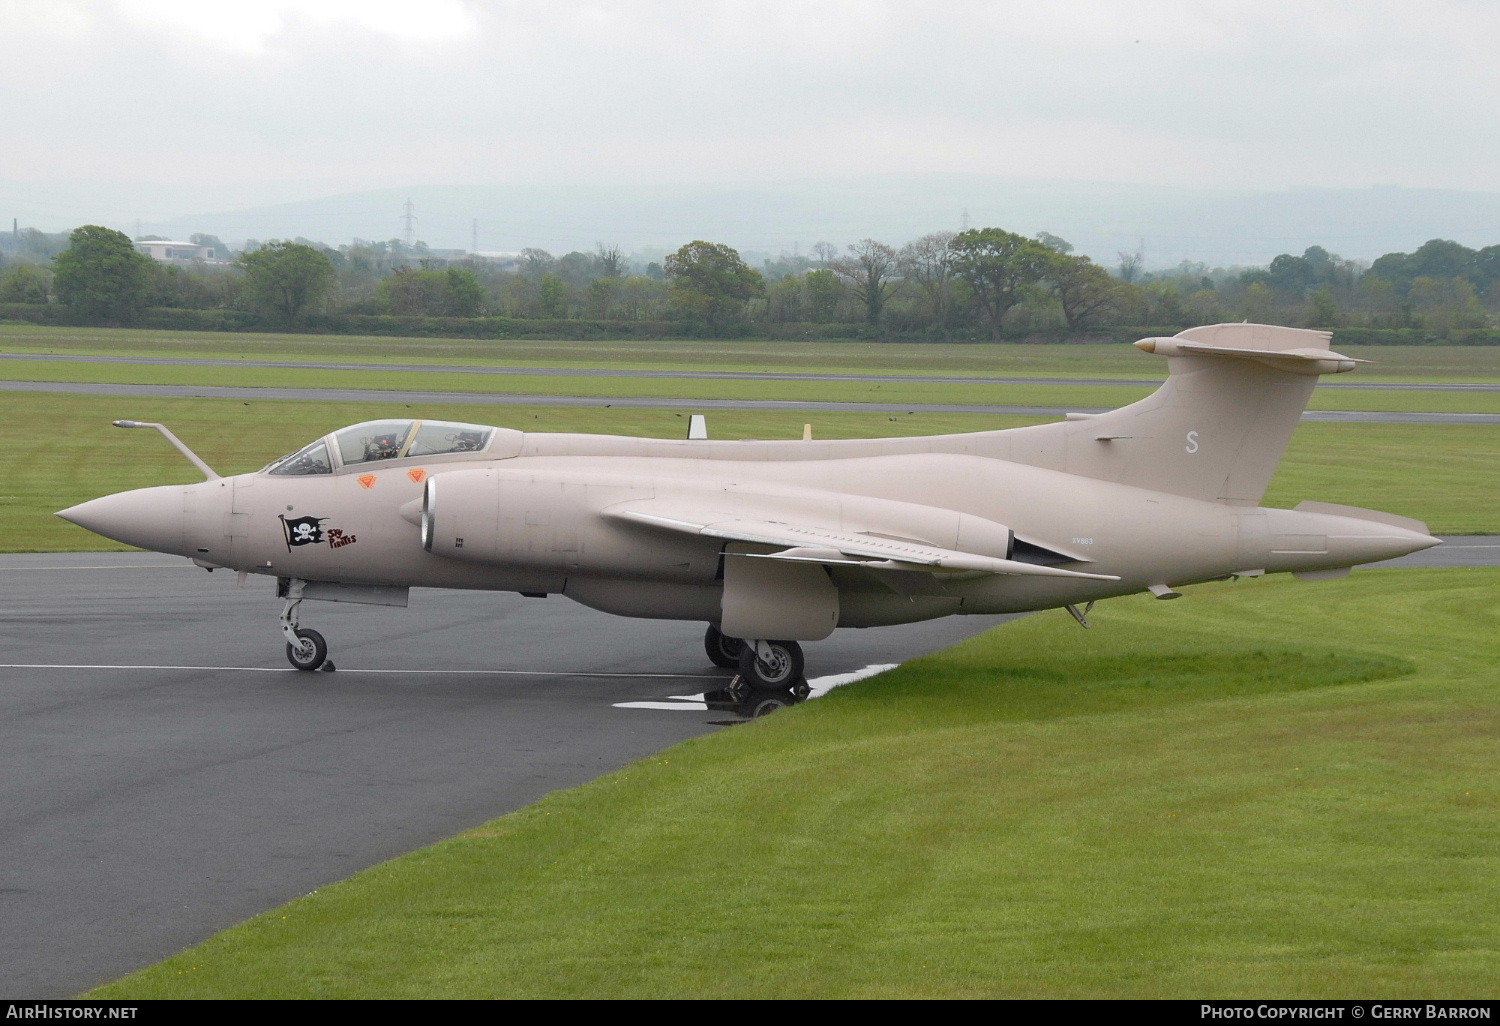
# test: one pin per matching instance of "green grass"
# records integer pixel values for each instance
(63, 452)
(1444, 474)
(1268, 789)
(950, 393)
(1392, 363)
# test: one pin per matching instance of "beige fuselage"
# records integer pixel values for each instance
(788, 540)
(531, 514)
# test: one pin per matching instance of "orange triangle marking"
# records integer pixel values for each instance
(417, 474)
(366, 480)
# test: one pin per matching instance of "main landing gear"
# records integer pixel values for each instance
(305, 647)
(722, 649)
(771, 664)
(768, 666)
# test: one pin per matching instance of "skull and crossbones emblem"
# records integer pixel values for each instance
(303, 530)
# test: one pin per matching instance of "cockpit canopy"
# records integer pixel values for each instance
(377, 440)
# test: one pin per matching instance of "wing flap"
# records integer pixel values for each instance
(813, 544)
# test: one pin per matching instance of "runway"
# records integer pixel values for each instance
(168, 775)
(585, 372)
(502, 399)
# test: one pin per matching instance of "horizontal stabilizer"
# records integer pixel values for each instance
(1356, 513)
(1301, 360)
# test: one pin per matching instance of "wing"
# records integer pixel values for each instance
(811, 543)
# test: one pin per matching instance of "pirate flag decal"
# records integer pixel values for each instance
(302, 531)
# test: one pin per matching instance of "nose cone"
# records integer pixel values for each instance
(148, 518)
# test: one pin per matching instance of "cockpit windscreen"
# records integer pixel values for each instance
(440, 436)
(312, 459)
(377, 440)
(393, 439)
(373, 440)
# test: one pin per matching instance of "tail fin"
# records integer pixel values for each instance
(1215, 430)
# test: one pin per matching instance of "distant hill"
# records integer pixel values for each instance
(1218, 227)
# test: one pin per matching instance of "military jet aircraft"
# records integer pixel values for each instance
(773, 543)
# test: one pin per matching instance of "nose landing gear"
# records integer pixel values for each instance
(305, 648)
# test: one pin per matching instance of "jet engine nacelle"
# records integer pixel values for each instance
(551, 521)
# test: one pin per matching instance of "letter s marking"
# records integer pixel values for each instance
(1192, 437)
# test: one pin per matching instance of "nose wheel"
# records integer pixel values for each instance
(310, 652)
(305, 648)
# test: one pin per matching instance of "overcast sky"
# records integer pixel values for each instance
(231, 103)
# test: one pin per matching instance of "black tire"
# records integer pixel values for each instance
(784, 671)
(313, 652)
(722, 649)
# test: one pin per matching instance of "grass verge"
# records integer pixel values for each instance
(1391, 363)
(1272, 788)
(1079, 395)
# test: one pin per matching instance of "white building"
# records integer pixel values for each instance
(180, 252)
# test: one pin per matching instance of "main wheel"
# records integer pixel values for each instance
(722, 649)
(311, 653)
(783, 670)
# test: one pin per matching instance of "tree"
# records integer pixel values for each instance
(24, 283)
(1322, 309)
(823, 292)
(1084, 289)
(1442, 258)
(928, 264)
(711, 282)
(412, 293)
(825, 253)
(552, 296)
(601, 295)
(535, 262)
(1446, 303)
(101, 275)
(518, 297)
(1435, 258)
(869, 271)
(284, 280)
(997, 265)
(577, 269)
(1291, 276)
(642, 297)
(1053, 242)
(1258, 302)
(611, 261)
(786, 300)
(464, 295)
